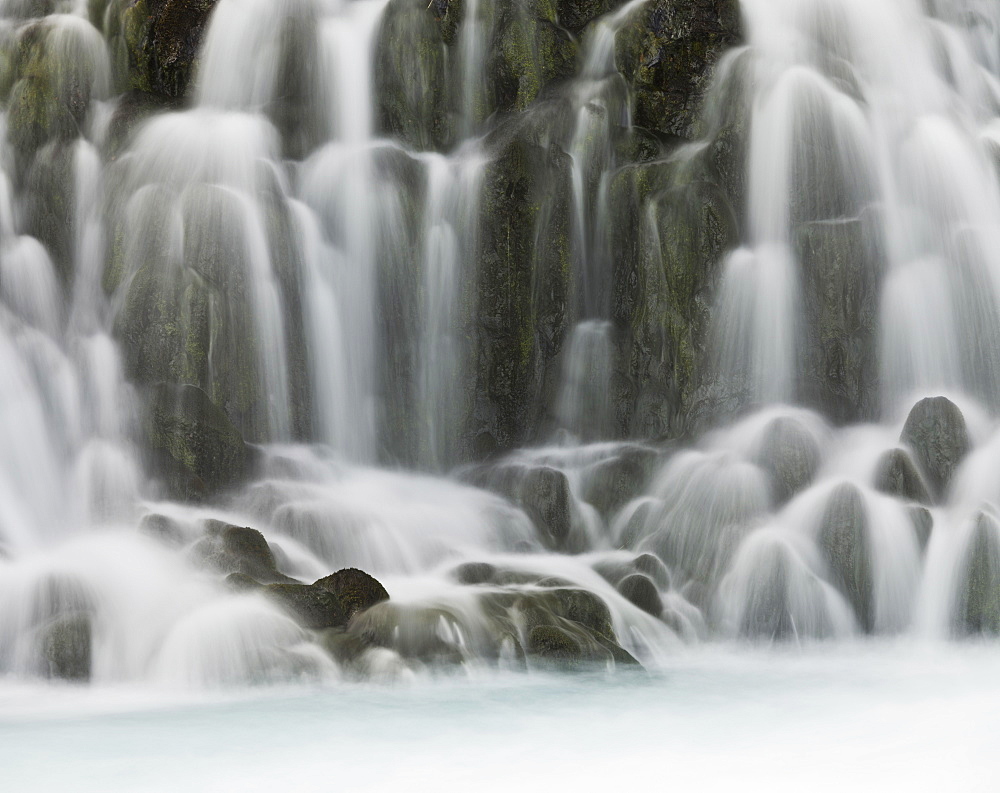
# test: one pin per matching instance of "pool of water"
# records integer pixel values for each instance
(883, 716)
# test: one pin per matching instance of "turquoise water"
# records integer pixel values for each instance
(872, 717)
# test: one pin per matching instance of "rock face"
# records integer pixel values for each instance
(840, 264)
(193, 444)
(355, 589)
(979, 584)
(159, 41)
(666, 52)
(845, 545)
(935, 430)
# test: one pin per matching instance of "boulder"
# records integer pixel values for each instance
(790, 455)
(312, 606)
(935, 430)
(844, 542)
(640, 591)
(923, 524)
(610, 484)
(979, 584)
(65, 645)
(897, 475)
(355, 589)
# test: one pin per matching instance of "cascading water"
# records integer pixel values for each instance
(272, 274)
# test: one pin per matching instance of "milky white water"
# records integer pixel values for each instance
(861, 717)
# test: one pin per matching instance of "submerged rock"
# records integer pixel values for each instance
(923, 524)
(935, 430)
(897, 475)
(979, 584)
(355, 589)
(844, 542)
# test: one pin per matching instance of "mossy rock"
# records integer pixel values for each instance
(667, 50)
(610, 484)
(355, 589)
(159, 41)
(193, 444)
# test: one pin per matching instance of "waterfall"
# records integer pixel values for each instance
(589, 332)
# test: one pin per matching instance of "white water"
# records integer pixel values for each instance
(860, 717)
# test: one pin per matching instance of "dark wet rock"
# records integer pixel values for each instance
(523, 287)
(841, 262)
(133, 109)
(556, 645)
(612, 483)
(193, 444)
(897, 475)
(667, 52)
(979, 584)
(542, 492)
(935, 430)
(241, 582)
(475, 573)
(640, 591)
(159, 41)
(162, 528)
(239, 549)
(312, 606)
(650, 565)
(417, 632)
(672, 228)
(923, 524)
(65, 645)
(355, 589)
(634, 528)
(844, 542)
(790, 455)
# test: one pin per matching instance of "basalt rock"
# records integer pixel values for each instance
(66, 647)
(897, 475)
(979, 585)
(790, 456)
(844, 542)
(158, 41)
(193, 444)
(312, 606)
(355, 589)
(641, 592)
(935, 430)
(667, 51)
